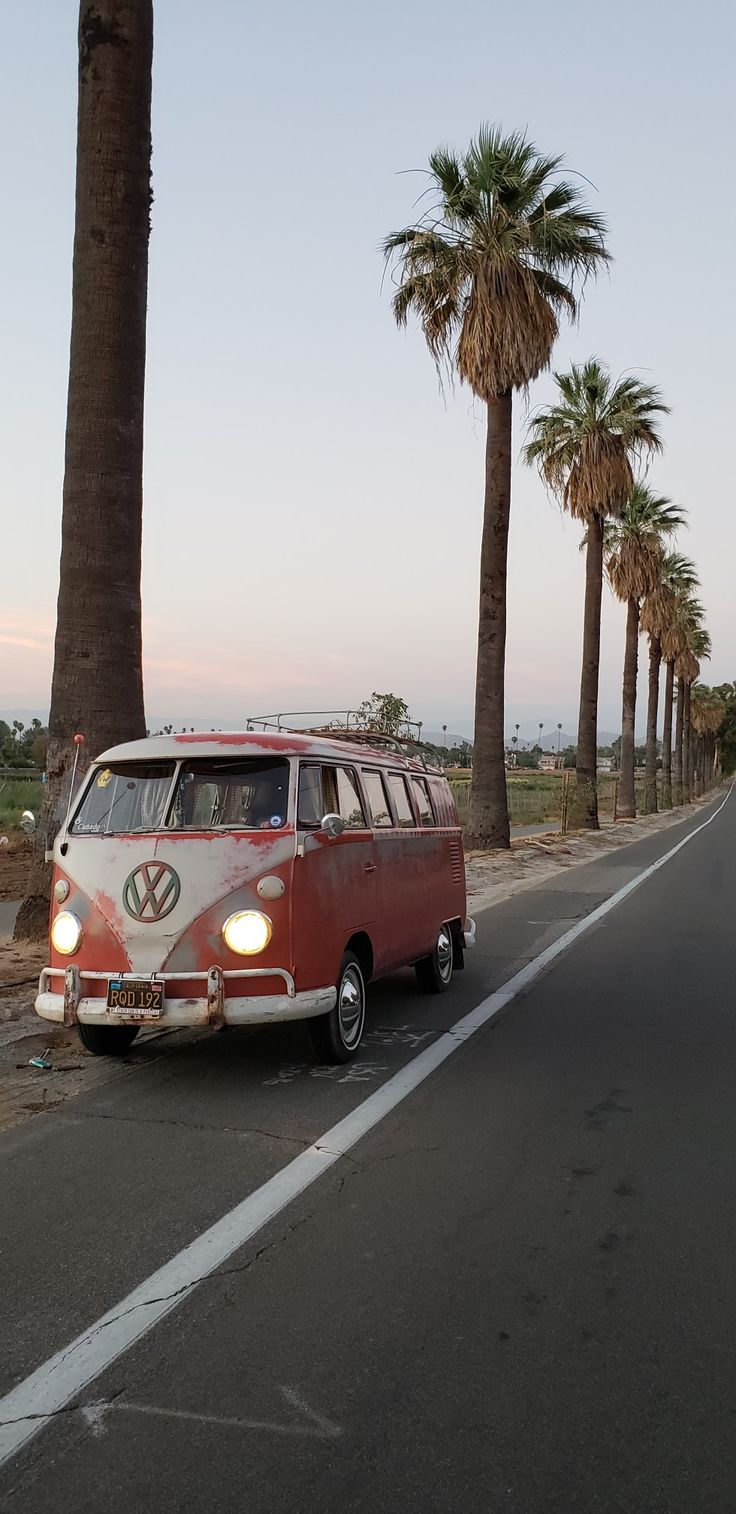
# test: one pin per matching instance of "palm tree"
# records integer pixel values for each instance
(678, 578)
(585, 447)
(699, 648)
(98, 676)
(633, 558)
(489, 269)
(716, 713)
(687, 616)
(707, 709)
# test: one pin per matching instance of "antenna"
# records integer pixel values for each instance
(78, 744)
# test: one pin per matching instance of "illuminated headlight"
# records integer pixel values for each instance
(247, 932)
(66, 933)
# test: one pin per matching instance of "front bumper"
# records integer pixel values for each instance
(62, 998)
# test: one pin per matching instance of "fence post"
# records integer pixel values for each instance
(563, 802)
(615, 799)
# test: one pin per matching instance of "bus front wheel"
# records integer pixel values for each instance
(107, 1040)
(336, 1036)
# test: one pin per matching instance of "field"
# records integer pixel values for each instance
(536, 798)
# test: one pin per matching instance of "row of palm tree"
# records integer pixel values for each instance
(498, 256)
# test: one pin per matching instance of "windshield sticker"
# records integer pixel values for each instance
(104, 778)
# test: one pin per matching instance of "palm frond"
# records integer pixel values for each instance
(587, 445)
(634, 544)
(494, 260)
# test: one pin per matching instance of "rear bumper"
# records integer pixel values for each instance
(468, 933)
(61, 998)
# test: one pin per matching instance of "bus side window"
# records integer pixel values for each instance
(310, 807)
(341, 797)
(404, 812)
(376, 796)
(350, 804)
(424, 802)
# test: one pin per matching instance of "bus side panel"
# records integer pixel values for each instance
(453, 887)
(334, 899)
(406, 868)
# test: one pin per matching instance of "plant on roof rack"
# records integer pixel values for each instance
(384, 712)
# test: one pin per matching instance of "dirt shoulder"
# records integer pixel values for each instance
(495, 876)
(15, 860)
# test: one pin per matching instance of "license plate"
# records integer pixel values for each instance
(141, 997)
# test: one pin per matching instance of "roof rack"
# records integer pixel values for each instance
(403, 745)
(335, 720)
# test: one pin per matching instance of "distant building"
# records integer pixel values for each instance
(605, 764)
(548, 762)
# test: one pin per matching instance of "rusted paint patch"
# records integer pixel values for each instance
(215, 998)
(72, 994)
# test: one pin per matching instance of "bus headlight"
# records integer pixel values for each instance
(66, 933)
(247, 932)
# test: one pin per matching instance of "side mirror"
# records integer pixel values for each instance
(333, 825)
(28, 822)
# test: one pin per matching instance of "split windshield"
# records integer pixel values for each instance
(251, 795)
(210, 794)
(129, 796)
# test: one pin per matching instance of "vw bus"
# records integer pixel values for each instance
(244, 879)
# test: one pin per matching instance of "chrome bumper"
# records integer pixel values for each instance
(468, 933)
(70, 1004)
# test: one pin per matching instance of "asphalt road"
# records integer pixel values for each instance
(515, 1294)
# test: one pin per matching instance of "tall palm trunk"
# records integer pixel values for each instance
(699, 774)
(626, 793)
(489, 815)
(679, 739)
(584, 802)
(650, 772)
(98, 679)
(669, 697)
(687, 750)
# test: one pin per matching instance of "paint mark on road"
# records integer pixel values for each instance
(308, 1423)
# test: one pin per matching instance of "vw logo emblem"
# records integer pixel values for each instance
(151, 891)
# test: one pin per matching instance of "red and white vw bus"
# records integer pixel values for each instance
(249, 878)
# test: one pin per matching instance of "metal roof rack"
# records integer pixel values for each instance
(403, 746)
(334, 720)
(407, 746)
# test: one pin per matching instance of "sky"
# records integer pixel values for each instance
(312, 501)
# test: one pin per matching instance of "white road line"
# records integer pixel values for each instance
(27, 1408)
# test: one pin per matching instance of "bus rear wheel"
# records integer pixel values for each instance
(435, 971)
(336, 1036)
(107, 1040)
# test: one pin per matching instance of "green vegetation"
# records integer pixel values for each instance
(726, 734)
(23, 746)
(17, 795)
(384, 712)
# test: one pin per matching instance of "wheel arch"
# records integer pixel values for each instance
(361, 946)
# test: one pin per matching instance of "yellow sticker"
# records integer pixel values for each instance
(104, 778)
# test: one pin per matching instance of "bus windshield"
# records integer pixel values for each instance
(241, 794)
(125, 797)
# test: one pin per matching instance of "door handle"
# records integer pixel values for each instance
(370, 867)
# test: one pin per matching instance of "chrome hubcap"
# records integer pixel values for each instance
(444, 954)
(350, 1006)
